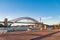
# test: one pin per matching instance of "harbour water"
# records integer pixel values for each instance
(17, 28)
(20, 28)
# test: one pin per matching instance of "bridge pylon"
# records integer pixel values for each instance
(6, 22)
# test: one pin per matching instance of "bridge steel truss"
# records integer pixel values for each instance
(35, 22)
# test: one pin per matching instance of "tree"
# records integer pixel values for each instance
(1, 25)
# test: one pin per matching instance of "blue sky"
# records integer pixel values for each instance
(48, 10)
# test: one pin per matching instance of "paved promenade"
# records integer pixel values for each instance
(32, 35)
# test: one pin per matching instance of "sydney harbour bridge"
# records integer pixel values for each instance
(18, 20)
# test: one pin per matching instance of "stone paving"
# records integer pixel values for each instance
(32, 35)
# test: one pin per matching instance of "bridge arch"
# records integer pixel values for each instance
(21, 18)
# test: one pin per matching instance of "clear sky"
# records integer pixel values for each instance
(48, 10)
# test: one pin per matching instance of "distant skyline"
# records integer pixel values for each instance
(48, 10)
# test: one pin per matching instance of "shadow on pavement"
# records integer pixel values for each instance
(45, 36)
(23, 34)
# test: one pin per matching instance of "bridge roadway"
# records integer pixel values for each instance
(7, 22)
(20, 22)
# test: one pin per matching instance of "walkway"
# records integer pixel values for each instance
(32, 35)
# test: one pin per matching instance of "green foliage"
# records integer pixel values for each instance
(1, 25)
